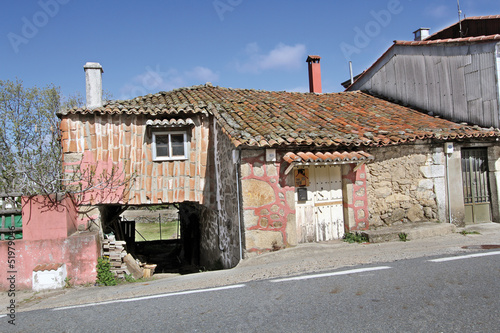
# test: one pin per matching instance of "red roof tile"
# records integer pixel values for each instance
(46, 267)
(270, 118)
(475, 39)
(321, 157)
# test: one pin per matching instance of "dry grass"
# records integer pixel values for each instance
(151, 231)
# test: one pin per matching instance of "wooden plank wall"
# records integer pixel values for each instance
(462, 88)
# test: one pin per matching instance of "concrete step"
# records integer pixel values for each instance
(412, 231)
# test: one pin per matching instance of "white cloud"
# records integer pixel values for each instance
(202, 74)
(153, 80)
(301, 89)
(282, 57)
(440, 12)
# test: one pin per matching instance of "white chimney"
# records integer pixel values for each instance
(93, 83)
(421, 34)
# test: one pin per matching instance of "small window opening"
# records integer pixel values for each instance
(169, 146)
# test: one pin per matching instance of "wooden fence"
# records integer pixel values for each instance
(10, 212)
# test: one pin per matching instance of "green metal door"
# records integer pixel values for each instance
(476, 185)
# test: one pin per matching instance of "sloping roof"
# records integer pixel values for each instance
(472, 28)
(326, 157)
(272, 119)
(463, 40)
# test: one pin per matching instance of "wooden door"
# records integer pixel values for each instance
(327, 196)
(476, 185)
(321, 216)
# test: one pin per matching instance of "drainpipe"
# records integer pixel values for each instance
(236, 161)
(217, 182)
(448, 150)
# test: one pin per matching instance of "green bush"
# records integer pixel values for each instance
(104, 274)
(350, 237)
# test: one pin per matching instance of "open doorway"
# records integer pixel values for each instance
(164, 235)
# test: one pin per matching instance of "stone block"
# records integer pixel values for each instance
(258, 169)
(249, 218)
(397, 197)
(291, 230)
(432, 171)
(415, 213)
(396, 215)
(271, 170)
(257, 193)
(438, 158)
(263, 240)
(428, 213)
(425, 184)
(383, 192)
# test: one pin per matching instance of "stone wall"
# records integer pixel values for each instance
(406, 184)
(268, 203)
(219, 220)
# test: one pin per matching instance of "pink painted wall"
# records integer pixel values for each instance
(268, 204)
(357, 203)
(49, 236)
(79, 252)
(45, 218)
(124, 141)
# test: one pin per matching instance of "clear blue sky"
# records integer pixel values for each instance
(150, 46)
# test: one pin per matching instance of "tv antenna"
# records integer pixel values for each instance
(459, 19)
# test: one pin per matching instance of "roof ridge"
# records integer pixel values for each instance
(483, 38)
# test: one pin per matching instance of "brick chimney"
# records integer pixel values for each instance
(314, 74)
(93, 84)
(421, 34)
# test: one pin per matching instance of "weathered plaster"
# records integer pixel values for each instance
(355, 198)
(268, 204)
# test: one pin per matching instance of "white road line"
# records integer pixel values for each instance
(352, 271)
(188, 292)
(1, 316)
(474, 255)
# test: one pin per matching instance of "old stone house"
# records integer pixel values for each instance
(255, 170)
(453, 73)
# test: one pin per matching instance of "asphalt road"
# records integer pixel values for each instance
(428, 294)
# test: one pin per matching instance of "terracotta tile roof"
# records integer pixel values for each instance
(320, 157)
(172, 122)
(273, 119)
(476, 39)
(47, 267)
